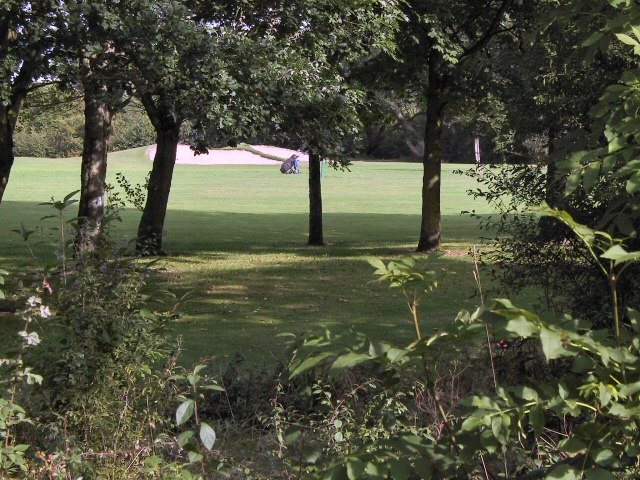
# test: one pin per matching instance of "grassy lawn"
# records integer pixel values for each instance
(236, 237)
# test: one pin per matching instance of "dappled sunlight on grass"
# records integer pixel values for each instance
(237, 243)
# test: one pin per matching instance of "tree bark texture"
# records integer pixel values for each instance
(9, 112)
(315, 201)
(432, 162)
(155, 209)
(6, 150)
(8, 119)
(97, 131)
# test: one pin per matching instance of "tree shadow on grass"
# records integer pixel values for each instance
(345, 234)
(244, 309)
(194, 232)
(252, 277)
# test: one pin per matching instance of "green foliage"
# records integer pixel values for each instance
(14, 373)
(133, 194)
(50, 132)
(580, 425)
(101, 392)
(52, 124)
(131, 128)
(614, 118)
(194, 442)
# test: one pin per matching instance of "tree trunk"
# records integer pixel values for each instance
(432, 163)
(155, 209)
(315, 201)
(9, 116)
(97, 130)
(374, 136)
(550, 228)
(6, 149)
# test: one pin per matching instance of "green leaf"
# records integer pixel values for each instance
(626, 39)
(590, 175)
(184, 438)
(66, 199)
(375, 471)
(563, 472)
(614, 253)
(604, 395)
(152, 463)
(594, 38)
(497, 428)
(525, 393)
(184, 411)
(573, 182)
(348, 360)
(536, 419)
(633, 184)
(198, 368)
(310, 454)
(603, 456)
(400, 469)
(309, 363)
(472, 423)
(147, 314)
(376, 263)
(599, 474)
(355, 468)
(291, 434)
(634, 318)
(620, 255)
(207, 436)
(572, 446)
(194, 457)
(617, 143)
(213, 386)
(553, 344)
(396, 354)
(522, 327)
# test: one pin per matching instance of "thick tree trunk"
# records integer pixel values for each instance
(6, 150)
(315, 201)
(155, 209)
(97, 130)
(432, 163)
(9, 116)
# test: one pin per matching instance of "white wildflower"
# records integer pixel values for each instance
(31, 338)
(33, 301)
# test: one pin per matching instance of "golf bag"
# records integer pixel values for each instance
(290, 165)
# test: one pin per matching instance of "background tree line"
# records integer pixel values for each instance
(54, 129)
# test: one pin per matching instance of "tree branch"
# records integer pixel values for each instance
(491, 31)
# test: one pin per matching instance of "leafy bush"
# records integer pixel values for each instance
(527, 251)
(50, 132)
(577, 425)
(101, 404)
(131, 128)
(54, 128)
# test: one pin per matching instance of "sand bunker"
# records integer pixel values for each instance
(185, 156)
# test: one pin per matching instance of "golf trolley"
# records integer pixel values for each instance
(290, 165)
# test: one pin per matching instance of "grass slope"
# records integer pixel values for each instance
(237, 236)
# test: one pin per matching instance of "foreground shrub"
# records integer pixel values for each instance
(107, 386)
(580, 424)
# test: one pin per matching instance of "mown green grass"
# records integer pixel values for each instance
(236, 237)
